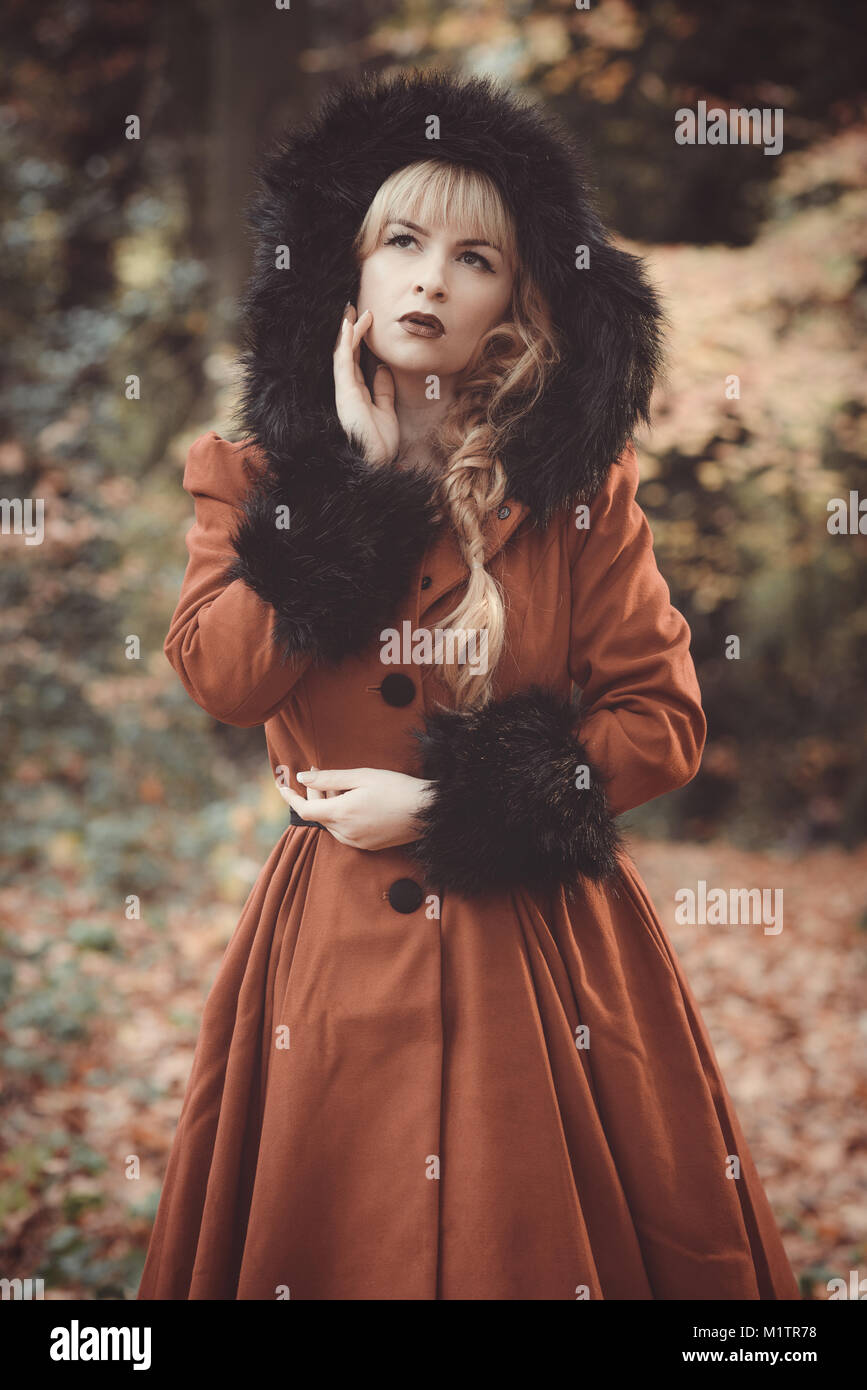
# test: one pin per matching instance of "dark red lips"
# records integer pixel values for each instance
(430, 319)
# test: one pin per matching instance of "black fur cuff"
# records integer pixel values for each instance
(331, 541)
(505, 811)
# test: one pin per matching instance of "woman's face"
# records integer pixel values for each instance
(435, 270)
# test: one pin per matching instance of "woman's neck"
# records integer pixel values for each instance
(417, 416)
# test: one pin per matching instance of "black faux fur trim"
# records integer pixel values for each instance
(505, 811)
(356, 532)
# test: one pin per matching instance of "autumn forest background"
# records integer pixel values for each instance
(134, 825)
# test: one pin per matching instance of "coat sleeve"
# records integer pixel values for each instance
(642, 721)
(526, 789)
(221, 637)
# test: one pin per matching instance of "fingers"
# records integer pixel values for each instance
(313, 794)
(370, 412)
(355, 331)
(301, 806)
(348, 315)
(348, 376)
(334, 780)
(360, 328)
(352, 347)
(358, 332)
(383, 388)
(382, 393)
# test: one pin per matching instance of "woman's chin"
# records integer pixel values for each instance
(417, 354)
(415, 357)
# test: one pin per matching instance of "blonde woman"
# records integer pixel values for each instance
(449, 1053)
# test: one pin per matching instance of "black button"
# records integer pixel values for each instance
(397, 689)
(426, 582)
(405, 895)
(504, 512)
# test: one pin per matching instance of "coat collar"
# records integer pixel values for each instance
(314, 186)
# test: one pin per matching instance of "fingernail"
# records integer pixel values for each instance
(304, 776)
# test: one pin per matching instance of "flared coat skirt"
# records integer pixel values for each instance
(512, 1097)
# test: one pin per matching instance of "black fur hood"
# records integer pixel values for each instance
(315, 186)
(356, 533)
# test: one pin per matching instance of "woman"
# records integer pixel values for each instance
(449, 1053)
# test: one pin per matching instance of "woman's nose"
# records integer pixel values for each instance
(433, 276)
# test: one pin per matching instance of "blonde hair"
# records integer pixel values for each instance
(502, 380)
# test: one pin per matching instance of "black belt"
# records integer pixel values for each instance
(295, 819)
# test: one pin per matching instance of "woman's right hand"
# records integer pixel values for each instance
(373, 420)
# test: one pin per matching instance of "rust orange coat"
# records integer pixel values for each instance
(432, 1130)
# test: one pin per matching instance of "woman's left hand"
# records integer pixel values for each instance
(368, 807)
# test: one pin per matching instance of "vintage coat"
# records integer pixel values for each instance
(469, 1067)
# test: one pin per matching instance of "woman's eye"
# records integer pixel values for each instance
(482, 261)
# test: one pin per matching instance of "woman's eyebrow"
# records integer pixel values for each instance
(466, 241)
